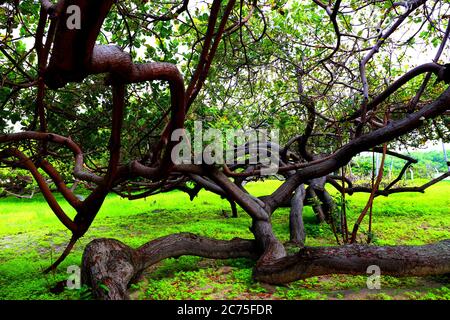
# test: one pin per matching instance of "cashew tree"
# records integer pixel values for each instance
(103, 85)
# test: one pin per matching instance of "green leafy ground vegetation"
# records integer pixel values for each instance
(31, 238)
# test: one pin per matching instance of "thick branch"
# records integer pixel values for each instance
(347, 152)
(108, 262)
(431, 259)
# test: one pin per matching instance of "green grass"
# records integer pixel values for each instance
(31, 238)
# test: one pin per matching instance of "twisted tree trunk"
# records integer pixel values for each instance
(109, 266)
(296, 226)
(430, 259)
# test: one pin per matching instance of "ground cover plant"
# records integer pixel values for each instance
(30, 238)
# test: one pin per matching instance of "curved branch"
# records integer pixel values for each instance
(78, 170)
(430, 259)
(48, 195)
(347, 152)
(397, 84)
(110, 263)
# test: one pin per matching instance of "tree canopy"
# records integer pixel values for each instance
(92, 92)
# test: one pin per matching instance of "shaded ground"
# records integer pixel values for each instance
(31, 237)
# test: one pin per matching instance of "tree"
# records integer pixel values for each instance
(255, 64)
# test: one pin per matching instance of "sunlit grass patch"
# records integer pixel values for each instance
(31, 238)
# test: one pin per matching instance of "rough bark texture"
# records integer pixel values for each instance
(431, 259)
(315, 202)
(109, 266)
(296, 226)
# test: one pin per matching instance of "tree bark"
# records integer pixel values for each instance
(431, 259)
(315, 203)
(296, 226)
(109, 266)
(327, 205)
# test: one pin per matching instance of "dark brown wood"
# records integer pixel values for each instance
(430, 259)
(73, 49)
(109, 266)
(347, 152)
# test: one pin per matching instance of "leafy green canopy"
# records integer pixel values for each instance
(253, 81)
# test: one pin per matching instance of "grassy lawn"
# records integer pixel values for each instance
(31, 238)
